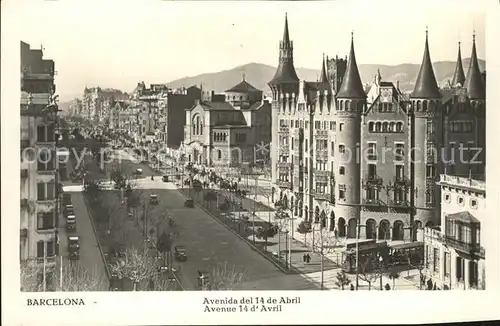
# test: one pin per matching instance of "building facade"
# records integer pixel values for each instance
(454, 257)
(39, 176)
(225, 133)
(341, 155)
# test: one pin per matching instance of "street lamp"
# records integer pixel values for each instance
(380, 259)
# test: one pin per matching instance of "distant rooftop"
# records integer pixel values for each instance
(462, 182)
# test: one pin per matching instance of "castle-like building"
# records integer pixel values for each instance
(341, 155)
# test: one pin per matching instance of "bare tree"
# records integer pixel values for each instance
(225, 278)
(137, 266)
(76, 278)
(326, 242)
(342, 280)
(281, 218)
(366, 274)
(29, 271)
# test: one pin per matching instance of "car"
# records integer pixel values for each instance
(189, 203)
(153, 199)
(66, 199)
(138, 171)
(74, 247)
(68, 210)
(180, 253)
(71, 223)
(165, 178)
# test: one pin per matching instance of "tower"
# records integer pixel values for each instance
(458, 76)
(425, 141)
(284, 87)
(476, 92)
(336, 68)
(350, 103)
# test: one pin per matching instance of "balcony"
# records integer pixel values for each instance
(430, 157)
(284, 184)
(373, 180)
(322, 173)
(401, 181)
(284, 129)
(284, 150)
(471, 248)
(323, 134)
(323, 197)
(399, 203)
(283, 165)
(462, 182)
(322, 153)
(370, 202)
(24, 174)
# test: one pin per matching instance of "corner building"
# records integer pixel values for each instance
(341, 155)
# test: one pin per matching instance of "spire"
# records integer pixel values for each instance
(352, 87)
(426, 86)
(459, 76)
(286, 34)
(474, 81)
(324, 77)
(285, 74)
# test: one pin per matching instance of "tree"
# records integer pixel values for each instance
(137, 266)
(225, 278)
(365, 273)
(393, 275)
(281, 219)
(416, 262)
(304, 228)
(75, 278)
(342, 280)
(210, 196)
(268, 231)
(326, 242)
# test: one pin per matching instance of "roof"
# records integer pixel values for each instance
(474, 81)
(447, 94)
(243, 87)
(459, 75)
(324, 77)
(352, 87)
(408, 245)
(217, 106)
(426, 86)
(464, 217)
(285, 74)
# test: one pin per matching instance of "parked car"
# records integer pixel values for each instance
(74, 247)
(189, 203)
(66, 199)
(68, 210)
(153, 199)
(71, 223)
(165, 178)
(180, 253)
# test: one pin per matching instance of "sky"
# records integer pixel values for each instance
(118, 43)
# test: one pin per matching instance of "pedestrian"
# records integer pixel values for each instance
(308, 258)
(387, 287)
(304, 258)
(430, 284)
(352, 287)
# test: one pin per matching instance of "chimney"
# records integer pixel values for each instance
(397, 85)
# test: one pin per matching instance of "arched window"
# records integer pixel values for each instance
(341, 170)
(385, 127)
(225, 136)
(219, 154)
(341, 105)
(378, 127)
(419, 106)
(392, 127)
(371, 126)
(399, 127)
(424, 105)
(360, 106)
(347, 105)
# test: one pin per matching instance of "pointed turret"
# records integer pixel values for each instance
(351, 87)
(285, 74)
(426, 86)
(459, 76)
(324, 77)
(474, 81)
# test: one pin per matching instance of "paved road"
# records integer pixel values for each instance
(90, 256)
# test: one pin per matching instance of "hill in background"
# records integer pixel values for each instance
(259, 75)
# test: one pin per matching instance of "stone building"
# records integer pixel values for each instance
(454, 257)
(225, 133)
(341, 156)
(39, 174)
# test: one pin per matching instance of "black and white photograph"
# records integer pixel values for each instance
(205, 147)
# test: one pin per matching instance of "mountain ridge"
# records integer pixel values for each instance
(259, 74)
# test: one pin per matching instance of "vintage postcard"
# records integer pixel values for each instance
(249, 162)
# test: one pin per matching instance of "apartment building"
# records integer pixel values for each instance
(39, 179)
(454, 257)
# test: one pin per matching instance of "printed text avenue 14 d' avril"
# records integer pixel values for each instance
(248, 304)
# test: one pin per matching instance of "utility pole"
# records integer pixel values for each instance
(61, 274)
(322, 258)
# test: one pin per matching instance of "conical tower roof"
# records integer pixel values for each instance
(351, 87)
(459, 75)
(285, 74)
(324, 77)
(474, 81)
(426, 86)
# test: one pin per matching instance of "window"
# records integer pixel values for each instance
(332, 124)
(40, 249)
(371, 126)
(219, 154)
(372, 151)
(45, 191)
(447, 264)
(45, 221)
(447, 198)
(342, 191)
(430, 171)
(460, 200)
(372, 170)
(399, 127)
(473, 203)
(435, 253)
(333, 147)
(40, 134)
(341, 126)
(341, 170)
(400, 152)
(341, 149)
(400, 172)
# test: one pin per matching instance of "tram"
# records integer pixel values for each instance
(371, 253)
